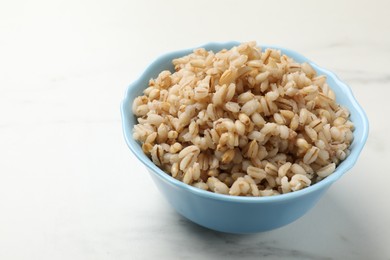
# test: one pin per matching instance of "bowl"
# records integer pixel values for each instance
(235, 214)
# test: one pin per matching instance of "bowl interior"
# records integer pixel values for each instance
(344, 97)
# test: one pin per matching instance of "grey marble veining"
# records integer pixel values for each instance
(228, 246)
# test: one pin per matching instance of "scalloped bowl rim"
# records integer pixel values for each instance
(346, 165)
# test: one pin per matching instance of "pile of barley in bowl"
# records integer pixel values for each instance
(243, 122)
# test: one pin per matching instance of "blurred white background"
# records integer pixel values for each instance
(71, 189)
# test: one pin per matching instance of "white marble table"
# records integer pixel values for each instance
(71, 189)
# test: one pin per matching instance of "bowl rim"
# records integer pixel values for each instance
(346, 165)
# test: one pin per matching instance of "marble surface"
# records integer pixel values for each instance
(71, 189)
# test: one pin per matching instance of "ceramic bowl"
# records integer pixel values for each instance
(235, 214)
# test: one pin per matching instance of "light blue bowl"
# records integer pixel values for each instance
(235, 214)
